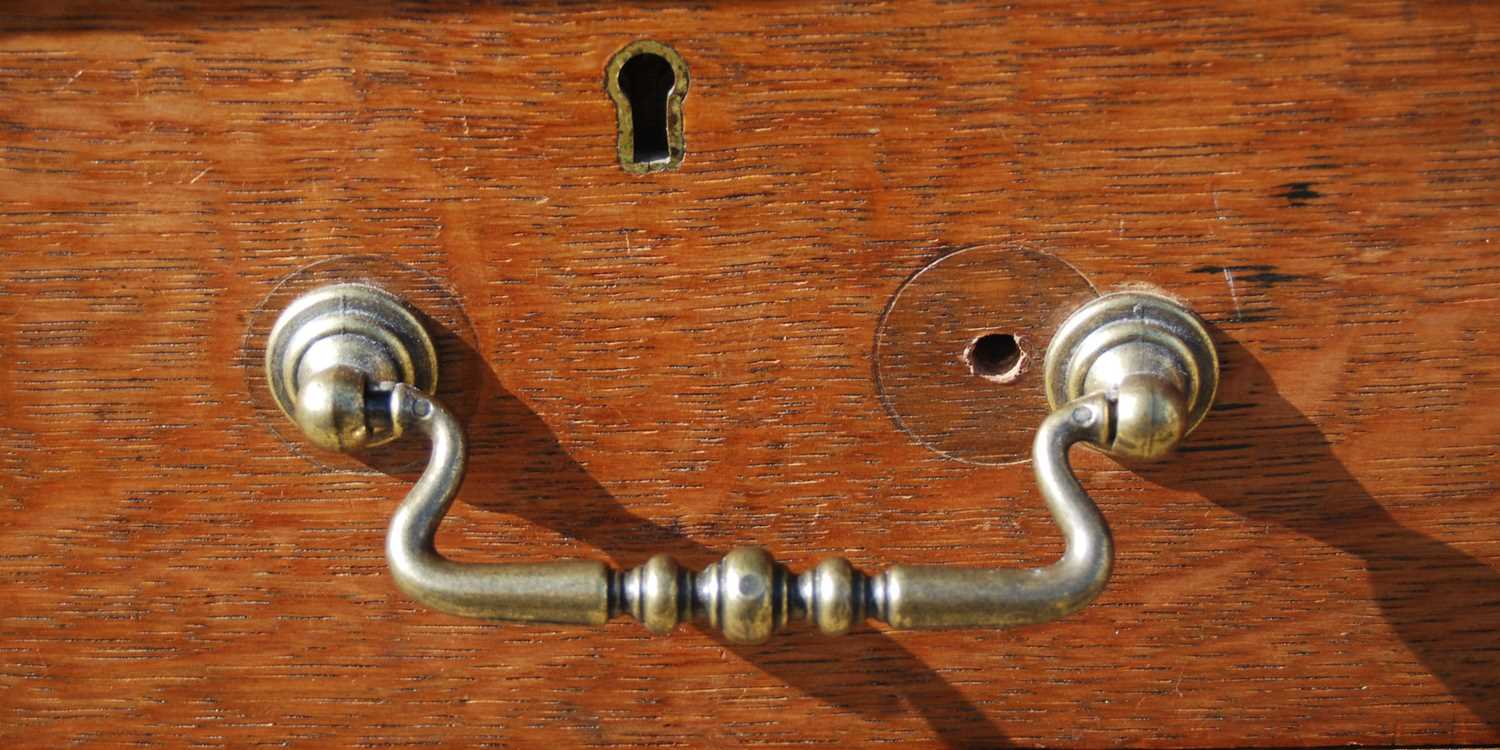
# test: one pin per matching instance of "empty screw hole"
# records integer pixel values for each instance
(996, 357)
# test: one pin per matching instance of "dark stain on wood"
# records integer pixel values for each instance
(1299, 193)
(1261, 275)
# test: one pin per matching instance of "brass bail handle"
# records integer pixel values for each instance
(1130, 373)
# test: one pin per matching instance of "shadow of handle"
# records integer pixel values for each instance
(562, 591)
(528, 474)
(1272, 464)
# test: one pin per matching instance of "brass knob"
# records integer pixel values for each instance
(333, 349)
(1150, 356)
(1130, 373)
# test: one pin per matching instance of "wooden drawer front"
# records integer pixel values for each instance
(684, 361)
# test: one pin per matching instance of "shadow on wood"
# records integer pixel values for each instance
(526, 473)
(1258, 456)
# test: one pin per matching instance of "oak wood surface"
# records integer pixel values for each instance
(686, 361)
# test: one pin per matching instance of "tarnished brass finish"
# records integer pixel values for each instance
(331, 347)
(1130, 373)
(931, 596)
(566, 591)
(676, 141)
(1150, 355)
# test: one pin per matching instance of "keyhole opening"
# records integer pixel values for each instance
(647, 81)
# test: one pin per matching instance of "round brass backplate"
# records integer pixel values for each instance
(1127, 317)
(466, 378)
(925, 346)
(362, 310)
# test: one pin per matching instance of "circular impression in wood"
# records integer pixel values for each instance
(958, 355)
(461, 370)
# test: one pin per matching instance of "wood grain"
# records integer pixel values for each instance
(683, 362)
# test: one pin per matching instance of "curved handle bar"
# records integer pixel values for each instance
(746, 595)
(1130, 372)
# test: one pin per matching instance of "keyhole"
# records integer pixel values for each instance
(648, 81)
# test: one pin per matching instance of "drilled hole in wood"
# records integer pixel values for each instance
(996, 357)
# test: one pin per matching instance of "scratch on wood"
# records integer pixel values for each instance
(1233, 295)
(70, 80)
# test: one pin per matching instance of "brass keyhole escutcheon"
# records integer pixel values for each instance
(647, 81)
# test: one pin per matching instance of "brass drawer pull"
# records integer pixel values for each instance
(1130, 373)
